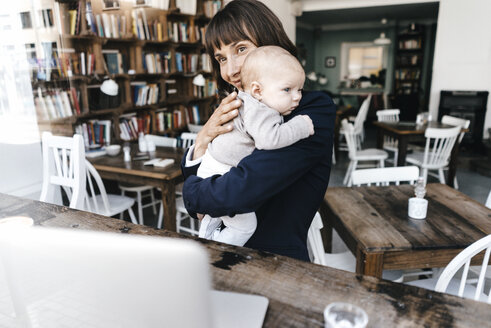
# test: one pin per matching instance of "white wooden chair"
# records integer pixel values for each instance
(464, 124)
(342, 261)
(389, 115)
(448, 283)
(439, 144)
(63, 166)
(385, 175)
(98, 201)
(355, 155)
(188, 139)
(144, 191)
(360, 119)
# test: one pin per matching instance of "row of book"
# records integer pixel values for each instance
(144, 93)
(131, 126)
(165, 120)
(55, 103)
(157, 62)
(192, 114)
(407, 74)
(409, 60)
(96, 133)
(210, 8)
(186, 63)
(208, 90)
(68, 62)
(410, 44)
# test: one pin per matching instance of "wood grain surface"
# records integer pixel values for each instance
(374, 223)
(297, 291)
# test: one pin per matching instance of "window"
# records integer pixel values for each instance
(361, 59)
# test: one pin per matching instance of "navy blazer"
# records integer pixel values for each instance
(285, 187)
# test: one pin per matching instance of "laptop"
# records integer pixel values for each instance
(73, 278)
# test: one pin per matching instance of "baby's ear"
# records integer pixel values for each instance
(256, 90)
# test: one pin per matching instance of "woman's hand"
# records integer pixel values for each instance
(218, 123)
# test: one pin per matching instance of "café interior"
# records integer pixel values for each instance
(103, 102)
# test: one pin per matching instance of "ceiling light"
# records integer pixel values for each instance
(382, 40)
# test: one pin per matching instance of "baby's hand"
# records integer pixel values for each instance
(305, 117)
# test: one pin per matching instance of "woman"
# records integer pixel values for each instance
(285, 187)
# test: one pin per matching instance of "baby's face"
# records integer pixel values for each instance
(283, 91)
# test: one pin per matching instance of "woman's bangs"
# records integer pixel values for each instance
(224, 32)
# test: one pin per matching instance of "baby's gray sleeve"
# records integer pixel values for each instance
(265, 125)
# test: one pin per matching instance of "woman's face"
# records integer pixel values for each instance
(230, 57)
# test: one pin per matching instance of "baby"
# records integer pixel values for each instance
(272, 80)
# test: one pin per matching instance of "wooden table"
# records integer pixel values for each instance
(410, 131)
(115, 168)
(373, 223)
(297, 291)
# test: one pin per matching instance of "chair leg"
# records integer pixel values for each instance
(161, 216)
(382, 163)
(425, 175)
(455, 183)
(139, 203)
(441, 176)
(152, 197)
(348, 173)
(132, 216)
(350, 180)
(178, 221)
(191, 223)
(333, 156)
(396, 153)
(121, 216)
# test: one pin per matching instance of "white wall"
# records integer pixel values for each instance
(282, 9)
(462, 59)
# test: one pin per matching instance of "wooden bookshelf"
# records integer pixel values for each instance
(408, 68)
(152, 54)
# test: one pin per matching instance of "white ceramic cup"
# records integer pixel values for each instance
(344, 315)
(417, 208)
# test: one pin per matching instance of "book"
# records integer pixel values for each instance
(106, 23)
(111, 58)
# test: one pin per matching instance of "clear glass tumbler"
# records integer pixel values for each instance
(344, 315)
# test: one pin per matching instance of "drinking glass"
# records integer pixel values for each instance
(344, 315)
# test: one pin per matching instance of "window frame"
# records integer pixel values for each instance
(346, 46)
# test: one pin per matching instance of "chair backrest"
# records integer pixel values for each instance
(385, 175)
(463, 259)
(362, 114)
(160, 141)
(388, 115)
(488, 201)
(457, 121)
(92, 192)
(188, 139)
(350, 136)
(63, 167)
(439, 144)
(314, 240)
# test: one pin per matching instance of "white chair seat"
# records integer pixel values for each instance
(117, 204)
(370, 154)
(417, 158)
(453, 287)
(390, 147)
(134, 188)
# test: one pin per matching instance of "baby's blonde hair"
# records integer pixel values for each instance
(267, 60)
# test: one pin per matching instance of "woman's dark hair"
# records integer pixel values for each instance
(244, 20)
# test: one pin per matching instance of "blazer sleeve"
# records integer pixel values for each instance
(262, 174)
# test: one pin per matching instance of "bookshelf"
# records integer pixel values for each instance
(145, 54)
(408, 68)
